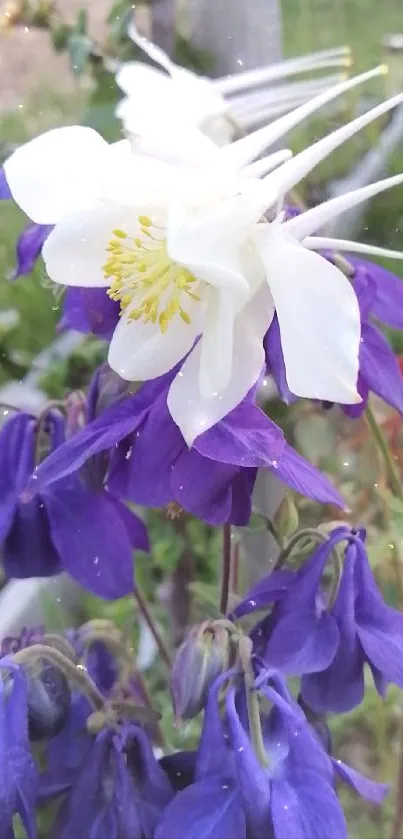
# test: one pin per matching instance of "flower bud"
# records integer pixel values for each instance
(201, 658)
(48, 700)
(286, 518)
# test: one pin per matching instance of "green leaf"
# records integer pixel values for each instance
(81, 26)
(60, 37)
(79, 48)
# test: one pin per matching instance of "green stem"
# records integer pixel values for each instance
(386, 454)
(226, 568)
(76, 673)
(252, 701)
(151, 623)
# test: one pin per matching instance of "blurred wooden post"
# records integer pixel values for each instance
(240, 34)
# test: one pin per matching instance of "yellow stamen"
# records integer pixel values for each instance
(149, 285)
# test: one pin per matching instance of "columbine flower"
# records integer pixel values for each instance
(154, 467)
(370, 633)
(165, 99)
(19, 777)
(292, 796)
(188, 257)
(119, 791)
(77, 526)
(380, 297)
(328, 643)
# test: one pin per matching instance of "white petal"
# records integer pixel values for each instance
(248, 148)
(75, 251)
(57, 172)
(194, 414)
(318, 316)
(315, 243)
(337, 57)
(216, 343)
(292, 172)
(312, 220)
(207, 242)
(142, 83)
(140, 351)
(266, 164)
(152, 50)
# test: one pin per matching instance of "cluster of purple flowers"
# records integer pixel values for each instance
(263, 766)
(76, 732)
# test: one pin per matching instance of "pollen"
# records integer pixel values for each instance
(147, 283)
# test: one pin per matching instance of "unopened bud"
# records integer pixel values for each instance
(201, 658)
(286, 518)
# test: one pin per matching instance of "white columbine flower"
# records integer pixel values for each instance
(199, 258)
(157, 99)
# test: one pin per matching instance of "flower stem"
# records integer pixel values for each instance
(76, 673)
(225, 568)
(252, 701)
(385, 453)
(151, 623)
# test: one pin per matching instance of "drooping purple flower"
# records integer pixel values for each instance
(119, 792)
(370, 632)
(18, 774)
(89, 310)
(150, 463)
(380, 298)
(76, 525)
(290, 797)
(328, 643)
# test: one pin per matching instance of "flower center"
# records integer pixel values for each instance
(149, 285)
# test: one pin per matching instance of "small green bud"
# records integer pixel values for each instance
(201, 658)
(286, 518)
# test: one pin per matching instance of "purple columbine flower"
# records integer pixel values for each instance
(328, 644)
(76, 525)
(370, 633)
(291, 797)
(119, 791)
(89, 310)
(150, 463)
(5, 192)
(18, 774)
(380, 297)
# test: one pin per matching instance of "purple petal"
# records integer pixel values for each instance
(304, 478)
(79, 809)
(341, 686)
(105, 432)
(4, 187)
(28, 550)
(89, 310)
(209, 809)
(16, 464)
(29, 247)
(379, 367)
(203, 487)
(273, 587)
(387, 305)
(275, 361)
(91, 539)
(371, 790)
(135, 527)
(305, 806)
(242, 489)
(253, 779)
(302, 643)
(213, 751)
(245, 437)
(144, 475)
